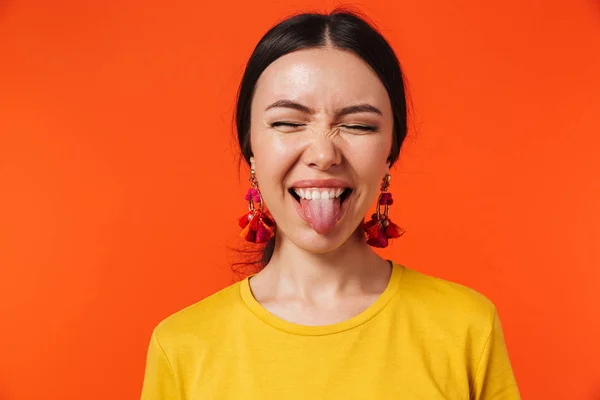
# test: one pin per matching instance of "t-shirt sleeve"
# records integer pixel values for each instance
(159, 380)
(494, 379)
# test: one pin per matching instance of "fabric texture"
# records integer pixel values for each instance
(423, 338)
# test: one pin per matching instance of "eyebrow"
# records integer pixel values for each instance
(355, 109)
(359, 108)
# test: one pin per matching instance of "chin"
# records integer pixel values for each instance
(310, 241)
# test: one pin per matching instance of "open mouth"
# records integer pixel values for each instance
(321, 207)
(320, 193)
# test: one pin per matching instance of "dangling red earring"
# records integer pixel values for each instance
(380, 228)
(257, 226)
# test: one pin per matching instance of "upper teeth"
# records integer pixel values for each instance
(319, 193)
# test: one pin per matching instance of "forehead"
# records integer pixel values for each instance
(323, 75)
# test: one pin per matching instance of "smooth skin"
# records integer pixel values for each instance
(305, 125)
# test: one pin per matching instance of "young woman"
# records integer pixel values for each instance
(321, 117)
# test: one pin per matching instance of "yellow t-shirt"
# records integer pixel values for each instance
(423, 338)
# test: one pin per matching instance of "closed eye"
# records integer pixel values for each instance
(368, 128)
(286, 124)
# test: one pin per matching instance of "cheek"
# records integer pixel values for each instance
(265, 142)
(268, 146)
(274, 156)
(369, 154)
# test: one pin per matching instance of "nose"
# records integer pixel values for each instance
(322, 153)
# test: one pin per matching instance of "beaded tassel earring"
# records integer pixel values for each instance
(257, 226)
(380, 228)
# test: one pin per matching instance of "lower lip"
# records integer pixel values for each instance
(343, 207)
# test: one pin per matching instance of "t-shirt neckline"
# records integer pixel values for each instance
(308, 330)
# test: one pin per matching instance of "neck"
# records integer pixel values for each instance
(352, 265)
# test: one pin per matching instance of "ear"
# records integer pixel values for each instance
(252, 164)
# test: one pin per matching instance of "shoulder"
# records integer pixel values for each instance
(206, 317)
(445, 300)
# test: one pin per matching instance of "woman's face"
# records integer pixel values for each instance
(321, 132)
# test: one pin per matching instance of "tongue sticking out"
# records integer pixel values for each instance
(321, 214)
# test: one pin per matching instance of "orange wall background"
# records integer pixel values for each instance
(116, 156)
